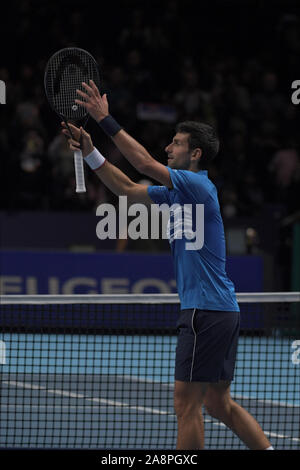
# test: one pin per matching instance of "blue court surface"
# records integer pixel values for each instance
(93, 391)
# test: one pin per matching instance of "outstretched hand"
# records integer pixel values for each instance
(80, 140)
(95, 104)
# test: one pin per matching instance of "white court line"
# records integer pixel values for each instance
(127, 405)
(66, 408)
(107, 402)
(25, 385)
(124, 405)
(238, 397)
(66, 394)
(268, 433)
(78, 395)
(266, 402)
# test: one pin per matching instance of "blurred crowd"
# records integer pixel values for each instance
(160, 64)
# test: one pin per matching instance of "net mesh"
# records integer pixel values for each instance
(65, 72)
(99, 372)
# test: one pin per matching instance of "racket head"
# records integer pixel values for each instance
(64, 74)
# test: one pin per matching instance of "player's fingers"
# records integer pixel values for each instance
(89, 89)
(84, 134)
(65, 127)
(84, 95)
(74, 145)
(74, 131)
(66, 133)
(74, 128)
(95, 88)
(71, 131)
(82, 103)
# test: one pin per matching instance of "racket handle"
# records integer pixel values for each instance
(79, 172)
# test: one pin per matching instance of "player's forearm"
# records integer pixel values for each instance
(132, 150)
(114, 179)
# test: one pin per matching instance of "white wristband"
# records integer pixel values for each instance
(95, 160)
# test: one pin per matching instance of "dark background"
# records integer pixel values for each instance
(227, 63)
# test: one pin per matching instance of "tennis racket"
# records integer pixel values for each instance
(64, 74)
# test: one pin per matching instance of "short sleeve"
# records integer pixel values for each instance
(159, 194)
(193, 186)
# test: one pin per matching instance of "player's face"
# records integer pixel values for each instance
(179, 155)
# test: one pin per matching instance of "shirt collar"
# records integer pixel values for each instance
(202, 172)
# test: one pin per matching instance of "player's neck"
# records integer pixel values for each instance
(194, 168)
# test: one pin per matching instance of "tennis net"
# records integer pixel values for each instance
(98, 371)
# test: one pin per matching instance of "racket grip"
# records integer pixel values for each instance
(79, 172)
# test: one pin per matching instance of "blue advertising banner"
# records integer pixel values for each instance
(25, 272)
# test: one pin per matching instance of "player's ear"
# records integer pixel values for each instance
(196, 154)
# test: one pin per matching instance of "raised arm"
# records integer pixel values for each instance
(115, 180)
(133, 151)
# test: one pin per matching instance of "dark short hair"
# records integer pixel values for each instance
(201, 136)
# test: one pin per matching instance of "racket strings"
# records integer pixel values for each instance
(65, 74)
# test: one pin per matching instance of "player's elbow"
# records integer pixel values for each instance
(138, 193)
(126, 188)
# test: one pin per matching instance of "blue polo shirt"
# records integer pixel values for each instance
(197, 243)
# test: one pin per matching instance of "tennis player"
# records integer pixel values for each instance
(209, 320)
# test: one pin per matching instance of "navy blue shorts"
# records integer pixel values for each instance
(207, 345)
